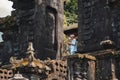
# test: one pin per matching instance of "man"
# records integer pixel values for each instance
(73, 44)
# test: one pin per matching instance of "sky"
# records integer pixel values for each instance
(5, 10)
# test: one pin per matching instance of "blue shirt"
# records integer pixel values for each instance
(73, 46)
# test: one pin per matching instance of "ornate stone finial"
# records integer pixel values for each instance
(30, 52)
(107, 44)
(30, 47)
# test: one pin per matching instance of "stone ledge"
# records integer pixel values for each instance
(95, 55)
(82, 56)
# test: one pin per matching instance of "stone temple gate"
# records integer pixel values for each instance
(41, 21)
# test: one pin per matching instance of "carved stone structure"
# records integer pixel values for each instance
(18, 76)
(5, 74)
(98, 36)
(81, 67)
(41, 22)
(98, 65)
(106, 65)
(98, 21)
(35, 69)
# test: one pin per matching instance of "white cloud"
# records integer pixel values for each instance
(5, 8)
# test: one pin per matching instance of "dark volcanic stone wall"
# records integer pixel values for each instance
(115, 10)
(49, 22)
(40, 22)
(25, 12)
(96, 23)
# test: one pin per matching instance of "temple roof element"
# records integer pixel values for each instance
(28, 61)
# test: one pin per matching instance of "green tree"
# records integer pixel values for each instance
(71, 9)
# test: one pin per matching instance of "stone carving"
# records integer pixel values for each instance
(107, 44)
(40, 22)
(30, 52)
(79, 67)
(48, 69)
(29, 61)
(5, 74)
(80, 70)
(18, 76)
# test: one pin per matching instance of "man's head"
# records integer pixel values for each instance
(72, 35)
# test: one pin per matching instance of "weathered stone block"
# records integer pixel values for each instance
(81, 67)
(106, 65)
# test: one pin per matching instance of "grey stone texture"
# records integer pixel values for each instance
(40, 22)
(98, 21)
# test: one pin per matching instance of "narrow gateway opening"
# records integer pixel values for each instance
(70, 22)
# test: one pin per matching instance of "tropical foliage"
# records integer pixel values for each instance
(71, 9)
